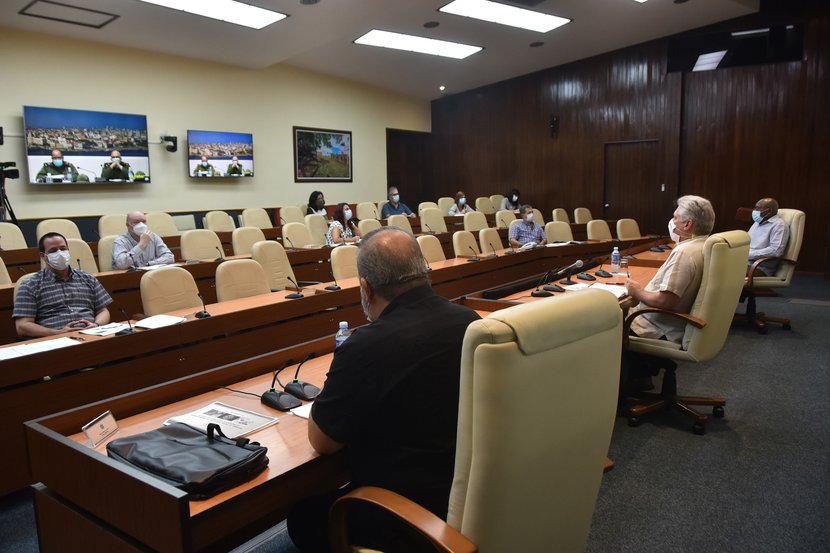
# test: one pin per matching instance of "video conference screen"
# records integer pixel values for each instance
(220, 154)
(85, 142)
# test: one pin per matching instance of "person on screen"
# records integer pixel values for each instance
(316, 204)
(379, 401)
(394, 205)
(139, 246)
(768, 235)
(527, 231)
(511, 201)
(343, 228)
(58, 167)
(460, 207)
(116, 168)
(205, 169)
(235, 168)
(58, 298)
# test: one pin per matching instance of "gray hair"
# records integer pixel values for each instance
(700, 211)
(391, 269)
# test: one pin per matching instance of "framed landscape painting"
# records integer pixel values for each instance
(322, 155)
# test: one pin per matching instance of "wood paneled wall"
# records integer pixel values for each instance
(731, 135)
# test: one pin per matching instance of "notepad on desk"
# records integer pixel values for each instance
(159, 321)
(106, 330)
(616, 289)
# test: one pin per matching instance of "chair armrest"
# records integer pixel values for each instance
(444, 537)
(699, 323)
(761, 260)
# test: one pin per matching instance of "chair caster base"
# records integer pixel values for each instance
(717, 412)
(634, 421)
(699, 429)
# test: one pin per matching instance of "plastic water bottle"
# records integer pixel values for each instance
(342, 335)
(615, 260)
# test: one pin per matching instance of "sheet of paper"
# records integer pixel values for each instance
(36, 347)
(106, 330)
(233, 421)
(577, 286)
(303, 411)
(616, 289)
(159, 321)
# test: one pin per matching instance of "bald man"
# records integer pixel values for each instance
(58, 168)
(391, 395)
(768, 235)
(116, 168)
(139, 246)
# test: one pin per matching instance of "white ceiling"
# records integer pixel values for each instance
(320, 37)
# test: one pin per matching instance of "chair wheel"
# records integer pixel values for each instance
(717, 412)
(633, 421)
(787, 326)
(699, 429)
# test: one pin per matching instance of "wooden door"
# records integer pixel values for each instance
(633, 187)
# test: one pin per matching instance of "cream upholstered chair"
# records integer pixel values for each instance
(297, 235)
(534, 489)
(490, 241)
(756, 283)
(105, 253)
(484, 205)
(496, 200)
(184, 222)
(161, 223)
(444, 204)
(367, 210)
(513, 224)
(344, 262)
(724, 269)
(219, 221)
(475, 221)
(112, 224)
(464, 244)
(504, 217)
(628, 229)
(400, 221)
(598, 230)
(582, 215)
(380, 205)
(559, 214)
(432, 220)
(81, 253)
(168, 289)
(271, 256)
(4, 273)
(11, 237)
(431, 248)
(365, 226)
(20, 281)
(63, 226)
(558, 231)
(201, 244)
(244, 238)
(240, 278)
(317, 228)
(426, 205)
(538, 217)
(256, 217)
(291, 214)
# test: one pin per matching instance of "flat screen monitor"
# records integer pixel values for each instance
(85, 139)
(212, 154)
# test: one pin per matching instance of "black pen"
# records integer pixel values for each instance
(80, 339)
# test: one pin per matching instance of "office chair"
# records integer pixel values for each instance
(489, 240)
(598, 230)
(484, 205)
(291, 214)
(201, 244)
(475, 221)
(400, 221)
(296, 235)
(538, 217)
(219, 221)
(380, 208)
(112, 225)
(161, 223)
(582, 215)
(761, 285)
(11, 237)
(81, 253)
(367, 210)
(444, 204)
(64, 226)
(504, 217)
(724, 269)
(431, 248)
(464, 244)
(256, 217)
(433, 220)
(526, 477)
(5, 278)
(344, 262)
(559, 214)
(168, 289)
(496, 200)
(365, 226)
(274, 261)
(558, 231)
(244, 238)
(628, 229)
(240, 278)
(317, 228)
(105, 253)
(426, 205)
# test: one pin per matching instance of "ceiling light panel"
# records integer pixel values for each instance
(707, 62)
(503, 14)
(411, 43)
(229, 11)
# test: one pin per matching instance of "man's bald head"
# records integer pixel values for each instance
(134, 217)
(391, 262)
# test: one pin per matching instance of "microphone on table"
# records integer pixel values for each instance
(290, 243)
(428, 268)
(203, 314)
(541, 293)
(375, 211)
(568, 270)
(282, 220)
(295, 295)
(300, 389)
(282, 401)
(512, 249)
(221, 257)
(126, 331)
(429, 230)
(333, 287)
(79, 263)
(475, 255)
(493, 255)
(132, 267)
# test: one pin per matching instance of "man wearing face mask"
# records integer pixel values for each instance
(528, 231)
(768, 235)
(57, 168)
(235, 168)
(205, 169)
(139, 246)
(59, 299)
(382, 400)
(394, 205)
(116, 169)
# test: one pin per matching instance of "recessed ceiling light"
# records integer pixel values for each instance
(707, 62)
(641, 1)
(442, 88)
(503, 14)
(229, 11)
(411, 43)
(536, 44)
(752, 32)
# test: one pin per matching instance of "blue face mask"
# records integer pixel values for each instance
(347, 214)
(204, 164)
(396, 198)
(57, 162)
(756, 216)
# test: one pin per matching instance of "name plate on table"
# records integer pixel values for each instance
(100, 428)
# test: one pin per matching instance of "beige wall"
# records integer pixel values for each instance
(177, 94)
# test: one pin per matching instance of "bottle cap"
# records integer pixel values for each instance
(344, 324)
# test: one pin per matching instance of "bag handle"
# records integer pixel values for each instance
(214, 428)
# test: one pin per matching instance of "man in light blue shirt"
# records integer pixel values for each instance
(394, 205)
(768, 235)
(139, 246)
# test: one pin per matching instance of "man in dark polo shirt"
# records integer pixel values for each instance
(391, 394)
(59, 299)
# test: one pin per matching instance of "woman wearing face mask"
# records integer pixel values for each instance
(316, 204)
(343, 228)
(460, 207)
(511, 201)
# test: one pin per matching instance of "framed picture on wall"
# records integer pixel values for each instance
(322, 155)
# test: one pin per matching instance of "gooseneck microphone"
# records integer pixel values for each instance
(475, 255)
(493, 255)
(333, 287)
(294, 295)
(203, 314)
(132, 267)
(300, 389)
(428, 268)
(79, 263)
(541, 293)
(126, 331)
(568, 270)
(281, 401)
(221, 257)
(290, 243)
(429, 230)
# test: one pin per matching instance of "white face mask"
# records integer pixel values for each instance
(515, 198)
(529, 217)
(462, 201)
(673, 231)
(140, 228)
(58, 260)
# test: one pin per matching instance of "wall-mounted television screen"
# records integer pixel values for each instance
(220, 154)
(85, 141)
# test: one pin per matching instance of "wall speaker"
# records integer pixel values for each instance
(554, 125)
